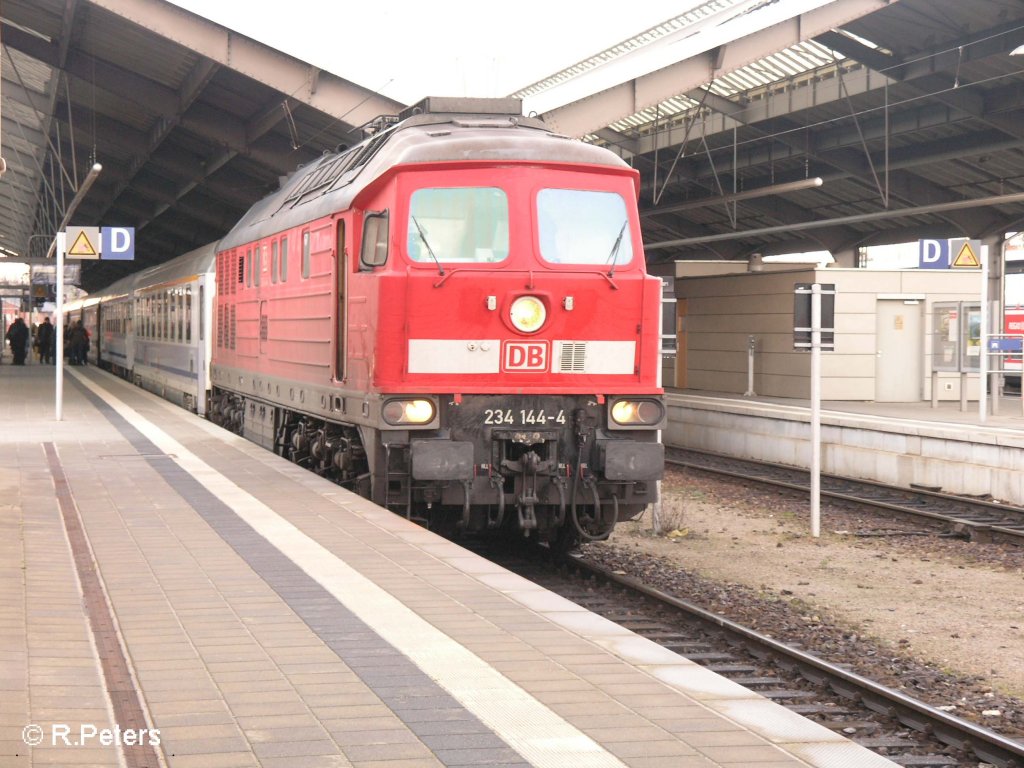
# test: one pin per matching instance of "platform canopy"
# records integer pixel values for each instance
(191, 122)
(908, 111)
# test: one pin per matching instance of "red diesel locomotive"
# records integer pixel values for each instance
(453, 319)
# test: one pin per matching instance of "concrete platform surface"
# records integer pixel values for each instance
(172, 595)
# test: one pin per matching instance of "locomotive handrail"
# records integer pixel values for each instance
(605, 275)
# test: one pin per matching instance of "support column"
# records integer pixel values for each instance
(847, 258)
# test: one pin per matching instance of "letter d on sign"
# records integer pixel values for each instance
(117, 243)
(933, 254)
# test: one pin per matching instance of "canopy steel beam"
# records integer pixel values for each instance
(699, 60)
(841, 220)
(327, 93)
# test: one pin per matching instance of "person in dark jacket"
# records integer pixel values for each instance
(44, 341)
(77, 341)
(17, 336)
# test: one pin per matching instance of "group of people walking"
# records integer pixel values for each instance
(43, 339)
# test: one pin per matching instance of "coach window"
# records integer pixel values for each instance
(248, 268)
(577, 226)
(257, 265)
(374, 252)
(466, 224)
(305, 254)
(171, 297)
(283, 263)
(188, 313)
(273, 262)
(182, 317)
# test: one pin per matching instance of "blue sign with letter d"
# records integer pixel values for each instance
(933, 254)
(117, 243)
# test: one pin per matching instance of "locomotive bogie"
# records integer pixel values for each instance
(472, 463)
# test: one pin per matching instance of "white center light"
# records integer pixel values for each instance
(528, 314)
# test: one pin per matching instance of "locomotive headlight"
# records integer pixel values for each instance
(397, 412)
(637, 413)
(527, 314)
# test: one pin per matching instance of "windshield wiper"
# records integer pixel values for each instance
(423, 237)
(614, 255)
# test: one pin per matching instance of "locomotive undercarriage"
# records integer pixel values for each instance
(570, 481)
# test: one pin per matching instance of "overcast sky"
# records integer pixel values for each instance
(407, 50)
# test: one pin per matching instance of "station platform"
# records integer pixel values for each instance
(903, 444)
(172, 595)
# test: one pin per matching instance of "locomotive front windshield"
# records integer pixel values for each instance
(458, 224)
(579, 226)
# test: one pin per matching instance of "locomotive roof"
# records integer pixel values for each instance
(331, 183)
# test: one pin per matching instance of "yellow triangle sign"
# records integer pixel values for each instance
(82, 247)
(966, 257)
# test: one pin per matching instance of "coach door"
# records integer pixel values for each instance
(341, 307)
(98, 341)
(900, 354)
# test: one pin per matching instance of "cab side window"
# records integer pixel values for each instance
(374, 252)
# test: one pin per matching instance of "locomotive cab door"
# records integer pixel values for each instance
(341, 307)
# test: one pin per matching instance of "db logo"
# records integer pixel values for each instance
(525, 356)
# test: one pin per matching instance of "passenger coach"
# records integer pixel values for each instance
(154, 327)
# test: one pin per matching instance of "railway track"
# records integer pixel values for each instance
(889, 722)
(975, 518)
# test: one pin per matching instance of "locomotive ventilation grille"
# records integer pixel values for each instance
(573, 357)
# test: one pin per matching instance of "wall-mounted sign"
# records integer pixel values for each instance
(957, 253)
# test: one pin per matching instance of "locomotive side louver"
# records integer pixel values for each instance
(593, 357)
(573, 358)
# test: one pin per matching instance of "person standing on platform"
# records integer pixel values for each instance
(77, 341)
(17, 336)
(44, 341)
